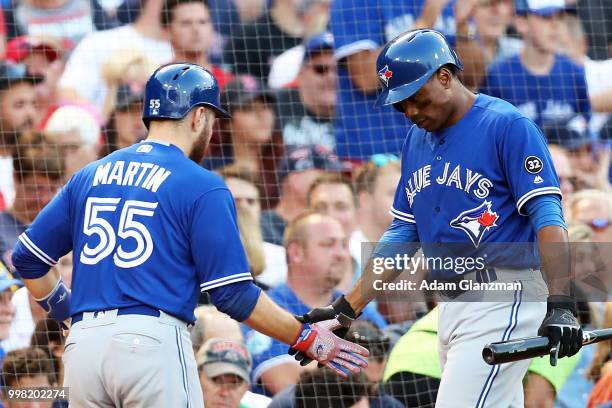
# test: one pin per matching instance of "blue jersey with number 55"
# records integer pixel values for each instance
(147, 226)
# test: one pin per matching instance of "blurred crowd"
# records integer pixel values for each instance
(312, 165)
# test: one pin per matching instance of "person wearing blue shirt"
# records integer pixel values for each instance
(360, 28)
(317, 260)
(150, 229)
(545, 86)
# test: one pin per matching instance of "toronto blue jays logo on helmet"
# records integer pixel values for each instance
(385, 74)
(476, 222)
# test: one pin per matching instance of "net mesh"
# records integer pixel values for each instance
(299, 78)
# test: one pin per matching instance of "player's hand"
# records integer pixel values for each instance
(340, 315)
(317, 342)
(562, 328)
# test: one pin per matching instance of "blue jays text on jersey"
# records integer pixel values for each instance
(469, 183)
(360, 25)
(147, 226)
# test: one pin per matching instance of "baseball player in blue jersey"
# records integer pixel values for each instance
(475, 171)
(150, 229)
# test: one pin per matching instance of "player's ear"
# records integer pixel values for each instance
(445, 76)
(198, 119)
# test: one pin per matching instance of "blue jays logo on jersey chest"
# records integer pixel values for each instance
(476, 222)
(451, 176)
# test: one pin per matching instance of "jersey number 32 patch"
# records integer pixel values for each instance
(533, 165)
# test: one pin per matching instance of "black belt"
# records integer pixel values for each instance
(482, 276)
(129, 310)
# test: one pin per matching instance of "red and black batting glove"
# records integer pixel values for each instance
(340, 315)
(318, 343)
(561, 327)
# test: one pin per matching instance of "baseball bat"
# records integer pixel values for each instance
(529, 347)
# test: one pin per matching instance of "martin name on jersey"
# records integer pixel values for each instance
(136, 174)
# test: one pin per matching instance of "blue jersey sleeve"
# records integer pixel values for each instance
(401, 207)
(526, 162)
(218, 253)
(356, 26)
(48, 238)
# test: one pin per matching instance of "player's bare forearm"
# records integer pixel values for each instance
(41, 287)
(272, 320)
(363, 293)
(554, 249)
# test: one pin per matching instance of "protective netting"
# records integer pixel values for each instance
(299, 78)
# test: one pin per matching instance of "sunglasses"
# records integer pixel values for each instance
(599, 224)
(382, 159)
(320, 69)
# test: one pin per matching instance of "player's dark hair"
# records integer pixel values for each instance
(23, 363)
(323, 388)
(331, 178)
(170, 5)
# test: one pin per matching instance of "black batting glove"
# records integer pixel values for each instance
(561, 327)
(340, 311)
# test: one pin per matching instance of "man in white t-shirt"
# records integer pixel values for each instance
(82, 79)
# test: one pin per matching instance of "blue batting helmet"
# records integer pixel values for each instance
(174, 89)
(409, 60)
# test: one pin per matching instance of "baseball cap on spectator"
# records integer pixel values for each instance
(319, 42)
(219, 356)
(571, 134)
(6, 280)
(13, 73)
(20, 47)
(542, 8)
(300, 158)
(241, 91)
(128, 94)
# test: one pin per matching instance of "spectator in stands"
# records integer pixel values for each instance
(48, 337)
(7, 310)
(600, 371)
(324, 388)
(246, 138)
(307, 114)
(492, 18)
(68, 19)
(596, 16)
(37, 170)
(43, 58)
(250, 235)
(360, 29)
(573, 42)
(254, 45)
(211, 323)
(565, 171)
(125, 126)
(243, 186)
(76, 133)
(546, 86)
(296, 172)
(27, 368)
(225, 366)
(17, 114)
(191, 32)
(412, 375)
(125, 67)
(82, 79)
(375, 184)
(593, 208)
(317, 260)
(286, 66)
(334, 195)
